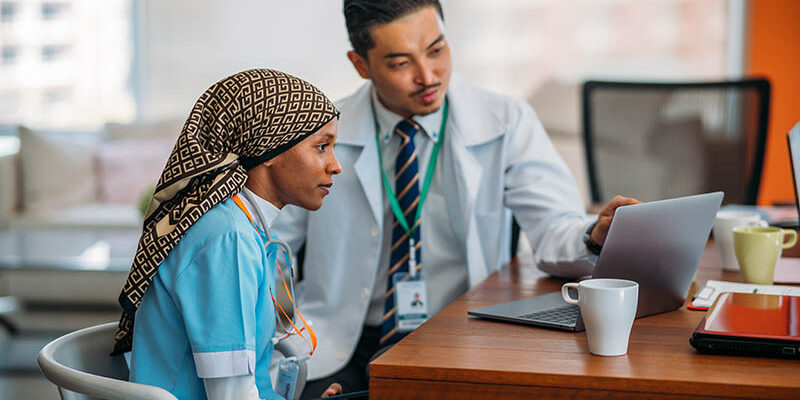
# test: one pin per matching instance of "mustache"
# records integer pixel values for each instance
(425, 88)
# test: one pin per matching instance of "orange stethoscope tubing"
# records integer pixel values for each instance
(275, 303)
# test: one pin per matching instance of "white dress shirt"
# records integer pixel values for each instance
(443, 258)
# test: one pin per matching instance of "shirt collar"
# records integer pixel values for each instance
(388, 119)
(268, 209)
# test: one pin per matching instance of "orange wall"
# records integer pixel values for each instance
(774, 52)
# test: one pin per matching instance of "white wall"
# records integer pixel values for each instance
(540, 50)
(183, 46)
(511, 46)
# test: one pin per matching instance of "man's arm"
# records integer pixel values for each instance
(544, 197)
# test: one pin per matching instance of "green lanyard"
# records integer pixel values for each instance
(398, 213)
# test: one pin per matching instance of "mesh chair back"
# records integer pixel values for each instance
(659, 140)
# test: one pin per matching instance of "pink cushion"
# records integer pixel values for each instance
(129, 168)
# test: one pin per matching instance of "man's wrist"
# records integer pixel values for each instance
(593, 247)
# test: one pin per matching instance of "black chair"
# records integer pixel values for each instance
(659, 140)
(514, 238)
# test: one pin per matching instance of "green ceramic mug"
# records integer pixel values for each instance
(758, 249)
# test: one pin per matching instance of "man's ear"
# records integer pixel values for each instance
(359, 63)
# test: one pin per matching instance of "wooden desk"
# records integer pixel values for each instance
(454, 356)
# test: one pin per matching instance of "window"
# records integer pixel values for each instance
(517, 46)
(52, 11)
(8, 11)
(8, 56)
(55, 95)
(70, 92)
(10, 104)
(52, 52)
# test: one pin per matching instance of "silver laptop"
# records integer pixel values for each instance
(657, 244)
(793, 139)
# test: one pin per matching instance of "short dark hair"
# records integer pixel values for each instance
(361, 15)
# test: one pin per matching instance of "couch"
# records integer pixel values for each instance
(83, 178)
(64, 180)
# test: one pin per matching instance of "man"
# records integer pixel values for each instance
(417, 302)
(489, 157)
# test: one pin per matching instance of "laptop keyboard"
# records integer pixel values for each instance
(562, 315)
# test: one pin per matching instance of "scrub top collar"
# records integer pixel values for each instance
(388, 119)
(268, 209)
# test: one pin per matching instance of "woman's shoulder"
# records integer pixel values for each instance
(220, 230)
(223, 220)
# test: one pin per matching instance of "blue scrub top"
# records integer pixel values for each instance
(208, 312)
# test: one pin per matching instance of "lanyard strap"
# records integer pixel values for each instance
(239, 203)
(398, 213)
(275, 303)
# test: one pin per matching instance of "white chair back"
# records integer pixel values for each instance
(80, 365)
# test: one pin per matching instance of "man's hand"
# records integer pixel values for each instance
(332, 390)
(600, 230)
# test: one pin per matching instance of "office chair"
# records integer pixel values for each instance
(79, 364)
(515, 229)
(660, 140)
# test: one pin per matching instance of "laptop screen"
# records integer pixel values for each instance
(793, 137)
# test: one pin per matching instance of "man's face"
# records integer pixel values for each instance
(410, 64)
(303, 174)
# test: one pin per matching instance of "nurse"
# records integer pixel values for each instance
(202, 281)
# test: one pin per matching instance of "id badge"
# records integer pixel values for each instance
(287, 377)
(410, 300)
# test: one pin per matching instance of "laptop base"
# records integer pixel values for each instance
(548, 310)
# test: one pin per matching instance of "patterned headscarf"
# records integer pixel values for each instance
(238, 123)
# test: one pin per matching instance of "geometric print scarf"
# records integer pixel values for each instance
(239, 122)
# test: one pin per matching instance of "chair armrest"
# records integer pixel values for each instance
(77, 381)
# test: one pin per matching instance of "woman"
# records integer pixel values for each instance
(202, 278)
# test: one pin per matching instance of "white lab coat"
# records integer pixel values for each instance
(496, 158)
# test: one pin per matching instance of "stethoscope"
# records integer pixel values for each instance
(290, 261)
(278, 242)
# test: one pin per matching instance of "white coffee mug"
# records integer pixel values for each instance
(608, 308)
(723, 234)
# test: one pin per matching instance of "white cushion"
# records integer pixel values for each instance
(57, 169)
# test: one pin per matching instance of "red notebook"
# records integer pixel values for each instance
(751, 324)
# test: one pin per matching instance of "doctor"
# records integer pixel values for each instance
(203, 279)
(433, 169)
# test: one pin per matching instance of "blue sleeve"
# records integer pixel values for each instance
(217, 293)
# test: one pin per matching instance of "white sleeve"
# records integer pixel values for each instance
(242, 387)
(291, 226)
(544, 197)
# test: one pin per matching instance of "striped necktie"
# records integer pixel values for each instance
(406, 188)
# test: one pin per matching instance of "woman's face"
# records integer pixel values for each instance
(303, 174)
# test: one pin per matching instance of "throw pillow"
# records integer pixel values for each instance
(57, 169)
(128, 168)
